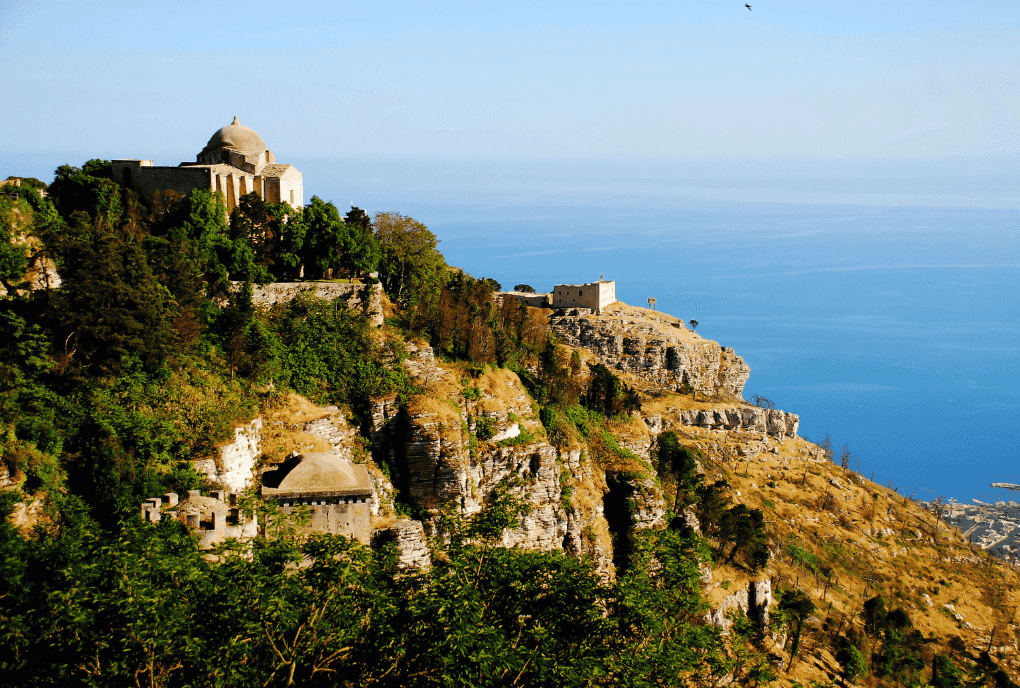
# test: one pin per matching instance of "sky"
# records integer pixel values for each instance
(830, 188)
(453, 80)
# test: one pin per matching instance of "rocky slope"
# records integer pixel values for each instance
(656, 347)
(834, 535)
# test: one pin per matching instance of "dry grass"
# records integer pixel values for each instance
(837, 523)
(902, 567)
(388, 309)
(293, 409)
(442, 412)
(383, 521)
(278, 443)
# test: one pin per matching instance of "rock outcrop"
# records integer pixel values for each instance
(774, 422)
(656, 348)
(754, 601)
(233, 466)
(409, 538)
(433, 453)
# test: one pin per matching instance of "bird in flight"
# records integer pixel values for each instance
(748, 8)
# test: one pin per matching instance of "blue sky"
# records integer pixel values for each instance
(676, 80)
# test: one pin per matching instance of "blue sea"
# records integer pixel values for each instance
(879, 301)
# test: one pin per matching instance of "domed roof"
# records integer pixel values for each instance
(322, 472)
(238, 137)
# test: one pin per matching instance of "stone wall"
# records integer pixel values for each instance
(148, 179)
(535, 300)
(341, 516)
(594, 295)
(269, 295)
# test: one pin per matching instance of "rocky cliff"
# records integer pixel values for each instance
(657, 348)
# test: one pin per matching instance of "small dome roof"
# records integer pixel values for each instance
(322, 472)
(238, 137)
(198, 504)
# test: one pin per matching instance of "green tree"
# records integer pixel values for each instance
(271, 233)
(111, 306)
(364, 253)
(608, 395)
(327, 238)
(853, 665)
(745, 529)
(945, 674)
(16, 223)
(681, 463)
(87, 189)
(411, 267)
(795, 607)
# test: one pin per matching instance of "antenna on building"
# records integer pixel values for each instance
(602, 277)
(651, 302)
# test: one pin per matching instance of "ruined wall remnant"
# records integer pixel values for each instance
(354, 295)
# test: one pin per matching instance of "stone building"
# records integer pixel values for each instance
(235, 162)
(214, 518)
(336, 493)
(594, 295)
(533, 299)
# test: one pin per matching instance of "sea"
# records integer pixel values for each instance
(878, 300)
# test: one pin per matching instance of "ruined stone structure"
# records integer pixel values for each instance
(336, 493)
(354, 295)
(214, 518)
(533, 299)
(594, 296)
(235, 162)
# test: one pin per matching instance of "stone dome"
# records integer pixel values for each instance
(325, 472)
(237, 137)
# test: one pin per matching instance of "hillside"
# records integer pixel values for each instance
(833, 534)
(542, 497)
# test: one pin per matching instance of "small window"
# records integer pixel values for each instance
(292, 196)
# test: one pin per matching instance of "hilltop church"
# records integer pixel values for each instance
(235, 162)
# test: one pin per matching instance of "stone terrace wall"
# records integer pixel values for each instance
(268, 295)
(535, 300)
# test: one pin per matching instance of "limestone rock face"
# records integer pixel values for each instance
(649, 507)
(440, 468)
(660, 351)
(409, 538)
(6, 479)
(433, 454)
(233, 465)
(754, 601)
(25, 516)
(774, 422)
(42, 273)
